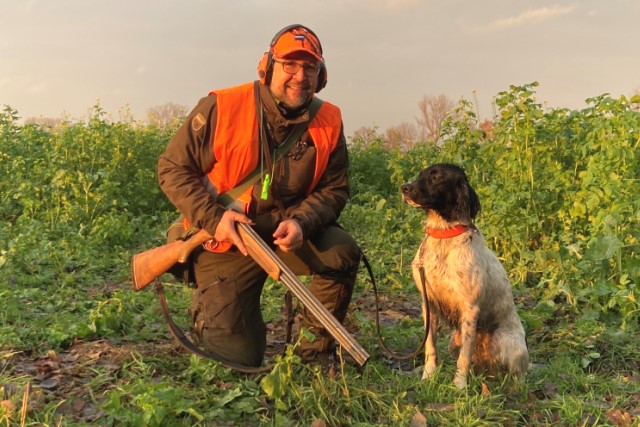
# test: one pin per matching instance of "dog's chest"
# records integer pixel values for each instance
(450, 273)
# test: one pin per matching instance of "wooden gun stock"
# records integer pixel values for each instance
(149, 265)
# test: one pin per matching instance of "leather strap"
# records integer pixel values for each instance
(185, 343)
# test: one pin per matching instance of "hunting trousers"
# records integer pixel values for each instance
(226, 318)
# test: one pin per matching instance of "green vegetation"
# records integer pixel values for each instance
(559, 191)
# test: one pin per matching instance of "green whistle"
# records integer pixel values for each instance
(265, 187)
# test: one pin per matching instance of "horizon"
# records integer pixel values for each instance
(66, 57)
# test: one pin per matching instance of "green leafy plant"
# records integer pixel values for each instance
(560, 208)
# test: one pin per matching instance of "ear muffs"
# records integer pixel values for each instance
(265, 66)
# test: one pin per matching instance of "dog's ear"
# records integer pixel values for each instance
(474, 203)
(468, 204)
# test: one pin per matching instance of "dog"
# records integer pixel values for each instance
(467, 286)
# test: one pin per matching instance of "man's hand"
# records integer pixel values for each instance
(226, 229)
(288, 236)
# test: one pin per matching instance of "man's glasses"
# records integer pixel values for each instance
(291, 67)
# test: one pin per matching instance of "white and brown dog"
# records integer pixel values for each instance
(467, 286)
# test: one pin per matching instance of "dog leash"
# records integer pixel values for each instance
(389, 353)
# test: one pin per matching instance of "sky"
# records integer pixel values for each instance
(59, 58)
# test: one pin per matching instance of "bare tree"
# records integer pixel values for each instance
(433, 111)
(166, 114)
(49, 122)
(401, 136)
(365, 136)
(487, 129)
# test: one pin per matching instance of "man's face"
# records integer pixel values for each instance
(294, 90)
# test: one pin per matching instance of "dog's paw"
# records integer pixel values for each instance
(428, 371)
(460, 381)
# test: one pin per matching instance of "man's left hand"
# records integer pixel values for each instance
(288, 236)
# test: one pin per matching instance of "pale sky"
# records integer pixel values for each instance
(61, 57)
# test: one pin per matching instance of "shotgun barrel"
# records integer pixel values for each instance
(278, 270)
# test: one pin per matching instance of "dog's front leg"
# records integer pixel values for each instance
(468, 324)
(430, 351)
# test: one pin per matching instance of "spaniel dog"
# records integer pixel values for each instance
(467, 287)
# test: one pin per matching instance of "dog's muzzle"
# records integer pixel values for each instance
(406, 195)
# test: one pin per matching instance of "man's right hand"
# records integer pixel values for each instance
(226, 229)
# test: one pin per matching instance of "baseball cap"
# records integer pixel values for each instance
(297, 40)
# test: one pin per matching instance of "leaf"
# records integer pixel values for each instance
(272, 384)
(485, 390)
(195, 414)
(7, 408)
(49, 384)
(418, 420)
(618, 418)
(604, 248)
(229, 396)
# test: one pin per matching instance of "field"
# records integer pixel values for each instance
(559, 191)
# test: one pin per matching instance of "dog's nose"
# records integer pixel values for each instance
(405, 188)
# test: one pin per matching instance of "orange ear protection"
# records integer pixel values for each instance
(265, 66)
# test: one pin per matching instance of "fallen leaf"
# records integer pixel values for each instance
(68, 357)
(619, 418)
(485, 390)
(49, 384)
(7, 407)
(78, 406)
(53, 356)
(418, 420)
(318, 423)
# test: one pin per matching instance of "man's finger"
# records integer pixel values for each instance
(237, 240)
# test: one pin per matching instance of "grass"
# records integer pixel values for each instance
(129, 372)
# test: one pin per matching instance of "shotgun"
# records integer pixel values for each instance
(148, 266)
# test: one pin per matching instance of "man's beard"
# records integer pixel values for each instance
(298, 101)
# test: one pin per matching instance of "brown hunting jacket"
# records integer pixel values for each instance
(189, 156)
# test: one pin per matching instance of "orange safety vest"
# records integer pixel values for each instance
(236, 146)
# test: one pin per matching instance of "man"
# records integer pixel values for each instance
(294, 207)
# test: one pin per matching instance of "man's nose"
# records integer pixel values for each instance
(300, 75)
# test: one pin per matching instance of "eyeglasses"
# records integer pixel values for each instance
(291, 67)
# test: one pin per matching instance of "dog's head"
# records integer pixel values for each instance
(445, 189)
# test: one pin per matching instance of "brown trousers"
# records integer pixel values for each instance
(225, 307)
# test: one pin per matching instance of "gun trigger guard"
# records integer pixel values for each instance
(211, 245)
